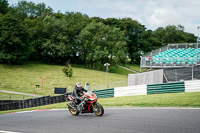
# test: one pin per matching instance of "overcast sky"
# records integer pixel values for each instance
(151, 13)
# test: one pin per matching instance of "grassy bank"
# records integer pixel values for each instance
(135, 67)
(23, 78)
(190, 99)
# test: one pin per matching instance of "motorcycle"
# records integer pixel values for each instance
(88, 104)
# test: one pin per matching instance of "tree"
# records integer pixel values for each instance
(43, 11)
(30, 10)
(100, 44)
(173, 34)
(14, 40)
(149, 42)
(133, 30)
(61, 33)
(35, 27)
(160, 35)
(4, 6)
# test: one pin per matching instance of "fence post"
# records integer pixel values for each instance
(192, 72)
(140, 62)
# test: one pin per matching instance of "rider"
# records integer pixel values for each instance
(77, 93)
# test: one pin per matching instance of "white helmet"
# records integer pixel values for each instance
(79, 85)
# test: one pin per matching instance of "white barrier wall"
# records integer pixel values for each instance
(192, 86)
(130, 90)
(151, 77)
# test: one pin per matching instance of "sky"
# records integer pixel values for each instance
(151, 13)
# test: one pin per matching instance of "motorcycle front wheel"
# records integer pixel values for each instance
(72, 111)
(98, 109)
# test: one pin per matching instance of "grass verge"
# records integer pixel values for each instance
(7, 96)
(135, 67)
(23, 78)
(189, 99)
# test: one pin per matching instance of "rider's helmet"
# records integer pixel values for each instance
(78, 85)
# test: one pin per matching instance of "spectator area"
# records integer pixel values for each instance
(179, 56)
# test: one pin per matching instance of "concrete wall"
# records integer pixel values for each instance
(152, 77)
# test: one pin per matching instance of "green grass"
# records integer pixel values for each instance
(119, 70)
(112, 69)
(189, 99)
(7, 96)
(135, 67)
(23, 78)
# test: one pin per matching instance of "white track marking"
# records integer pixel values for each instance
(1, 131)
(125, 108)
(165, 108)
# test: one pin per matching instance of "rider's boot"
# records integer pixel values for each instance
(78, 108)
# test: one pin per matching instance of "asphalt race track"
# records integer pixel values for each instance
(139, 120)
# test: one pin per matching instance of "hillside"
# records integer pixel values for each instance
(23, 78)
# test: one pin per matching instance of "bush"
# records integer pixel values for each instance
(68, 71)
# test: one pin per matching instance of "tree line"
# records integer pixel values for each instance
(34, 32)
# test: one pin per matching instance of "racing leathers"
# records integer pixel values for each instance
(77, 93)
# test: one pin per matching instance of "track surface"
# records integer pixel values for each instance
(142, 120)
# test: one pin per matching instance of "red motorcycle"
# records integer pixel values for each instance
(88, 104)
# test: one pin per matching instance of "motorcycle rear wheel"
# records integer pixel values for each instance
(72, 111)
(98, 109)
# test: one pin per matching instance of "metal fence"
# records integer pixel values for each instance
(183, 45)
(181, 74)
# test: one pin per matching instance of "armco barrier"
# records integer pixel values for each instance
(105, 93)
(166, 88)
(20, 104)
(187, 86)
(7, 101)
(130, 90)
(192, 86)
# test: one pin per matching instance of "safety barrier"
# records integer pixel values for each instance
(105, 93)
(166, 88)
(186, 86)
(130, 90)
(7, 101)
(20, 104)
(192, 86)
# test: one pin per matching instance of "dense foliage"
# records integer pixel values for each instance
(68, 71)
(30, 31)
